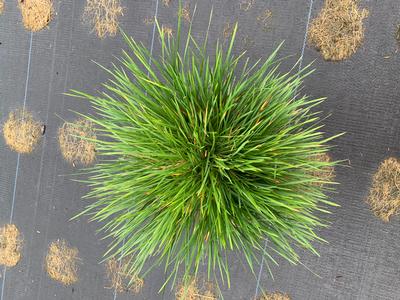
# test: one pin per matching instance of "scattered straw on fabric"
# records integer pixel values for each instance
(36, 14)
(104, 16)
(384, 194)
(338, 30)
(120, 280)
(61, 262)
(22, 131)
(76, 141)
(10, 245)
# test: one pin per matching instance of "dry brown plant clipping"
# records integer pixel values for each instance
(103, 16)
(22, 131)
(326, 174)
(148, 20)
(36, 14)
(227, 31)
(193, 292)
(61, 262)
(76, 142)
(384, 195)
(398, 34)
(167, 30)
(10, 245)
(338, 30)
(120, 280)
(264, 18)
(245, 5)
(185, 12)
(275, 296)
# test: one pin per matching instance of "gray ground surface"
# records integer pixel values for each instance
(361, 260)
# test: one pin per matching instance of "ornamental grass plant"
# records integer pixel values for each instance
(200, 156)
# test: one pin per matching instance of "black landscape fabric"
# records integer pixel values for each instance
(361, 260)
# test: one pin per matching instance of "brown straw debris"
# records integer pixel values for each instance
(338, 30)
(265, 18)
(103, 16)
(61, 262)
(22, 131)
(227, 31)
(193, 292)
(120, 280)
(325, 174)
(185, 12)
(76, 142)
(245, 5)
(148, 20)
(10, 245)
(275, 296)
(167, 30)
(384, 195)
(166, 2)
(397, 36)
(36, 14)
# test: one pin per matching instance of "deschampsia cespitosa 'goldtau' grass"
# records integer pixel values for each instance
(201, 156)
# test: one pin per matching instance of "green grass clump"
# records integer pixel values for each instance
(201, 156)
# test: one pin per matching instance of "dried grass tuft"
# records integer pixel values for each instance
(10, 245)
(36, 14)
(61, 262)
(384, 195)
(22, 131)
(76, 142)
(148, 20)
(167, 30)
(227, 31)
(245, 5)
(103, 16)
(338, 30)
(185, 12)
(120, 280)
(275, 296)
(265, 18)
(327, 173)
(193, 292)
(247, 43)
(166, 2)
